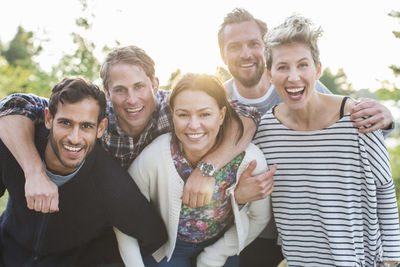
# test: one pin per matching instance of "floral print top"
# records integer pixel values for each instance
(202, 223)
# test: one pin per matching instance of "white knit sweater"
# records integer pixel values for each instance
(157, 178)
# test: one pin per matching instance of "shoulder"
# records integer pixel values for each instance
(229, 87)
(156, 149)
(104, 162)
(350, 103)
(157, 144)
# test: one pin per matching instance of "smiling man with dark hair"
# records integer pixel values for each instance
(91, 199)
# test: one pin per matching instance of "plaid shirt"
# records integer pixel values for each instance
(121, 146)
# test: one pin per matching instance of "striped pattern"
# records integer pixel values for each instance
(334, 200)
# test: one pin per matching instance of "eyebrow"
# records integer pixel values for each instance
(83, 122)
(202, 109)
(284, 62)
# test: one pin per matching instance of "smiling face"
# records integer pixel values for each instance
(131, 93)
(293, 72)
(73, 132)
(243, 52)
(197, 119)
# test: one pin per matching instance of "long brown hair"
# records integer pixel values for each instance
(213, 87)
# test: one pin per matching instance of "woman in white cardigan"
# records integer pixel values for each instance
(210, 234)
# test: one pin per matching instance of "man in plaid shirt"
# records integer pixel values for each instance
(137, 113)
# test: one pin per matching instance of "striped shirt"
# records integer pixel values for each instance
(334, 199)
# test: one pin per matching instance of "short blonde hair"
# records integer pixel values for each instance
(295, 29)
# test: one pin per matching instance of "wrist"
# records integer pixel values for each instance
(207, 169)
(34, 171)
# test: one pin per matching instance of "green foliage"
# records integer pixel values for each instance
(82, 62)
(3, 202)
(223, 74)
(337, 83)
(172, 80)
(394, 154)
(21, 49)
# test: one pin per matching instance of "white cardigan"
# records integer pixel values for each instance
(155, 174)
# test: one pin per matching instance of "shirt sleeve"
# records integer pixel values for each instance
(129, 211)
(246, 111)
(28, 105)
(385, 193)
(320, 87)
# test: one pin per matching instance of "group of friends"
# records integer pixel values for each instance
(268, 168)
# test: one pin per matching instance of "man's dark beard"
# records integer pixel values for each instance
(249, 82)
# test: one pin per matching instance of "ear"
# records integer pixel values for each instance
(156, 84)
(222, 115)
(107, 93)
(319, 67)
(102, 127)
(269, 76)
(48, 119)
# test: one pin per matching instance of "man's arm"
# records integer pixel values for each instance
(251, 188)
(198, 189)
(378, 117)
(17, 133)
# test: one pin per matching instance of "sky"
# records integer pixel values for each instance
(183, 33)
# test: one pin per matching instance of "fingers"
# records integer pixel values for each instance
(186, 197)
(38, 205)
(247, 173)
(199, 194)
(45, 203)
(369, 116)
(30, 202)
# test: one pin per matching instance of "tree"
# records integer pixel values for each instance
(172, 80)
(18, 70)
(390, 91)
(337, 83)
(82, 62)
(223, 74)
(22, 49)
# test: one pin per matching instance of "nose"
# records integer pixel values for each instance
(131, 97)
(194, 122)
(74, 135)
(293, 75)
(245, 52)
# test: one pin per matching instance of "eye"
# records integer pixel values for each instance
(139, 86)
(183, 115)
(233, 47)
(65, 122)
(87, 125)
(119, 90)
(205, 114)
(254, 44)
(303, 65)
(282, 67)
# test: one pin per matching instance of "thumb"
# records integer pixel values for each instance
(247, 173)
(273, 169)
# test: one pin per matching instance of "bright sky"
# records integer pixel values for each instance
(183, 33)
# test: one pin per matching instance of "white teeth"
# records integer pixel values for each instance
(246, 65)
(73, 149)
(134, 110)
(195, 135)
(295, 90)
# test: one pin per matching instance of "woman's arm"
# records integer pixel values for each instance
(387, 209)
(249, 221)
(129, 249)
